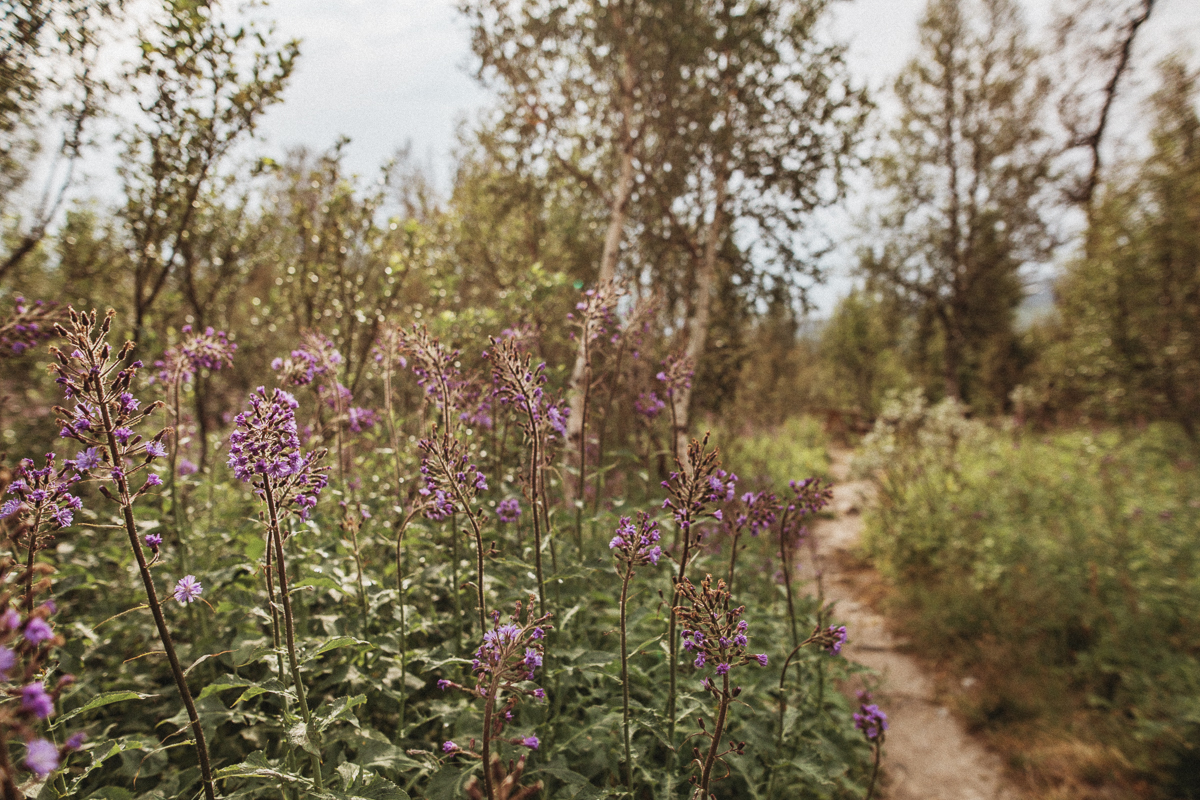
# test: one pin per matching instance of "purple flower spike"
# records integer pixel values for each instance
(870, 719)
(188, 589)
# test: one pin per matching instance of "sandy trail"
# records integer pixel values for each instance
(927, 754)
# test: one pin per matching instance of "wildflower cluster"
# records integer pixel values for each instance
(209, 350)
(870, 719)
(508, 658)
(105, 412)
(712, 630)
(636, 545)
(521, 385)
(752, 511)
(265, 451)
(596, 313)
(435, 366)
(104, 417)
(316, 356)
(39, 499)
(808, 497)
(676, 374)
(508, 510)
(451, 482)
(718, 635)
(28, 325)
(692, 493)
(649, 405)
(26, 642)
(338, 397)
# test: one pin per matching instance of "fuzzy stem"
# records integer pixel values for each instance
(33, 531)
(489, 710)
(289, 626)
(718, 731)
(160, 621)
(733, 559)
(874, 770)
(362, 589)
(625, 679)
(401, 526)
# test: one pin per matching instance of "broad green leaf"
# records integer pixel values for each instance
(100, 700)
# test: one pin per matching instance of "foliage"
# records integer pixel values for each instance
(1061, 571)
(1124, 346)
(965, 171)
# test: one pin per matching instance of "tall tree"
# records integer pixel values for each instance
(1130, 308)
(965, 168)
(203, 84)
(1094, 39)
(48, 52)
(761, 126)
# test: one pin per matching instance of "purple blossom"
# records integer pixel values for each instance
(870, 719)
(188, 589)
(209, 350)
(648, 405)
(676, 374)
(34, 700)
(87, 460)
(75, 741)
(636, 545)
(153, 480)
(8, 660)
(761, 658)
(156, 449)
(835, 637)
(444, 684)
(41, 757)
(449, 747)
(531, 742)
(42, 496)
(315, 357)
(187, 467)
(37, 631)
(508, 510)
(360, 419)
(265, 448)
(153, 541)
(28, 325)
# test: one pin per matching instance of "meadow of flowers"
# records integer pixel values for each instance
(402, 592)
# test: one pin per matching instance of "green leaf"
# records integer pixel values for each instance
(100, 700)
(340, 709)
(257, 766)
(334, 644)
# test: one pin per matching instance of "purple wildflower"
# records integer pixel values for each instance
(41, 757)
(8, 660)
(444, 684)
(209, 350)
(156, 449)
(636, 545)
(870, 719)
(188, 589)
(449, 747)
(153, 541)
(265, 448)
(75, 741)
(531, 742)
(187, 467)
(508, 510)
(34, 700)
(38, 631)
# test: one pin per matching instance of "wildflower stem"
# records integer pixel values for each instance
(489, 710)
(874, 769)
(715, 744)
(785, 553)
(625, 678)
(401, 526)
(288, 619)
(160, 621)
(33, 531)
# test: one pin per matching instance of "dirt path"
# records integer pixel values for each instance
(927, 754)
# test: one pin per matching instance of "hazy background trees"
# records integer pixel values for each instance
(682, 147)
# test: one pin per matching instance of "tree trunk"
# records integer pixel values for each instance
(697, 324)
